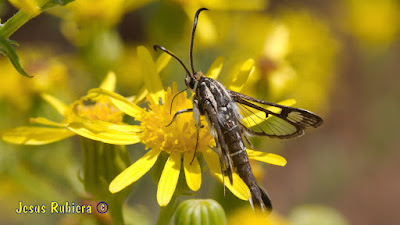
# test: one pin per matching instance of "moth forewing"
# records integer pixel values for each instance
(211, 106)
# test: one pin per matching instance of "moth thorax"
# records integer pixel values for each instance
(198, 75)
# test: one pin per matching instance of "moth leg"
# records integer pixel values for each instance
(170, 108)
(219, 138)
(249, 142)
(197, 142)
(196, 115)
(221, 163)
(223, 172)
(177, 113)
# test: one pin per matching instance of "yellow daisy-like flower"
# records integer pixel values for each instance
(373, 23)
(87, 118)
(29, 6)
(246, 216)
(179, 139)
(208, 32)
(49, 71)
(85, 18)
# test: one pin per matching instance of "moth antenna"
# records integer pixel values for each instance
(171, 54)
(196, 16)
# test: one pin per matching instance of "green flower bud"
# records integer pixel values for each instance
(200, 212)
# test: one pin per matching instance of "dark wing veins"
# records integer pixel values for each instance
(289, 122)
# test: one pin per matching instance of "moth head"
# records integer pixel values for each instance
(192, 80)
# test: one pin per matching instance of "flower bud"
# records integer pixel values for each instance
(205, 212)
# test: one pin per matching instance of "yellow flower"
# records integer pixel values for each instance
(107, 12)
(29, 6)
(80, 19)
(214, 27)
(374, 23)
(90, 119)
(179, 139)
(288, 63)
(49, 71)
(246, 216)
(315, 69)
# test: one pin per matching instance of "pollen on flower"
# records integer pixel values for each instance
(97, 109)
(180, 135)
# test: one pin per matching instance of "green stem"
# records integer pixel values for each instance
(168, 211)
(101, 164)
(22, 17)
(115, 207)
(14, 23)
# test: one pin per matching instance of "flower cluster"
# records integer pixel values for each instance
(86, 117)
(179, 139)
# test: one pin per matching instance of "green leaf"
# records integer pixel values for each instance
(7, 48)
(62, 2)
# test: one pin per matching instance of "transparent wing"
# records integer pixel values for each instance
(269, 119)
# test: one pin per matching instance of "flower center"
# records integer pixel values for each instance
(99, 109)
(181, 134)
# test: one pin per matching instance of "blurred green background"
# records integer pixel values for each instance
(339, 59)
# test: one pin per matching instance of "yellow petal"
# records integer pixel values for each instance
(148, 68)
(239, 188)
(96, 130)
(100, 125)
(137, 99)
(35, 135)
(288, 102)
(215, 68)
(118, 127)
(266, 157)
(239, 79)
(192, 171)
(169, 179)
(56, 103)
(162, 61)
(28, 6)
(120, 102)
(134, 172)
(109, 82)
(45, 121)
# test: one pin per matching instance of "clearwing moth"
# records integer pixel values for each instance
(233, 117)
